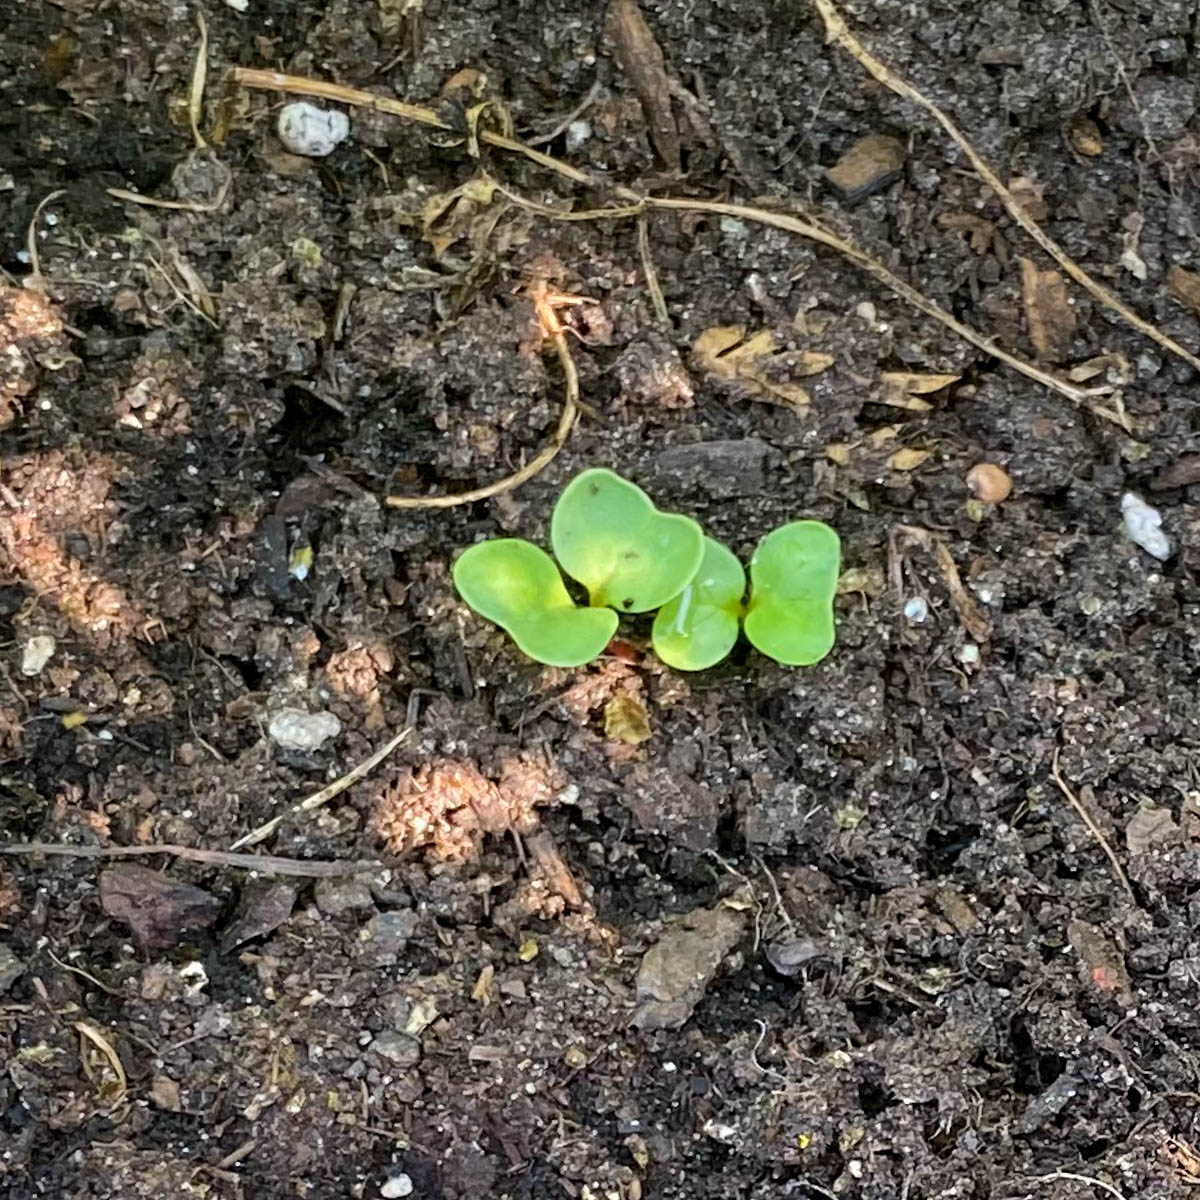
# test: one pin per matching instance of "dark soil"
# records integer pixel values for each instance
(933, 983)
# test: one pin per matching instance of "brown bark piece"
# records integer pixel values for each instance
(642, 61)
(158, 910)
(871, 164)
(1184, 285)
(1048, 311)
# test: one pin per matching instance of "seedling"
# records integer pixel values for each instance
(607, 534)
(699, 627)
(793, 579)
(517, 585)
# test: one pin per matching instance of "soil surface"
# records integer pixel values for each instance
(916, 923)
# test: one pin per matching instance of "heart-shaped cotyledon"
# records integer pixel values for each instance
(700, 626)
(515, 584)
(607, 534)
(793, 580)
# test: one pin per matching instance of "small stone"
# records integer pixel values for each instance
(394, 1187)
(578, 132)
(676, 971)
(294, 729)
(384, 937)
(989, 483)
(337, 896)
(916, 610)
(968, 654)
(310, 131)
(871, 164)
(399, 1048)
(11, 968)
(1161, 107)
(36, 653)
(1143, 526)
(1085, 138)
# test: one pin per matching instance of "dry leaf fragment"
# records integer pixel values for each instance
(1048, 310)
(901, 389)
(448, 216)
(625, 720)
(1149, 827)
(980, 230)
(755, 362)
(1131, 258)
(1084, 138)
(1027, 193)
(908, 459)
(1184, 285)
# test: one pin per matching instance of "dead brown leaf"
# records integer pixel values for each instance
(1027, 193)
(908, 459)
(902, 389)
(1048, 311)
(755, 362)
(626, 720)
(449, 216)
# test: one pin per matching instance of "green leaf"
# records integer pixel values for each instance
(515, 584)
(608, 535)
(699, 627)
(793, 579)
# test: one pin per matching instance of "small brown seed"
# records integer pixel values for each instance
(989, 483)
(1084, 136)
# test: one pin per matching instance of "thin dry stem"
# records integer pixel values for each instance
(267, 864)
(194, 206)
(837, 31)
(1093, 828)
(538, 463)
(317, 799)
(651, 274)
(35, 260)
(199, 77)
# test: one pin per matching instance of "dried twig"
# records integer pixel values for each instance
(837, 31)
(89, 1033)
(36, 278)
(566, 422)
(651, 274)
(194, 206)
(268, 864)
(199, 76)
(1090, 1180)
(1093, 828)
(317, 799)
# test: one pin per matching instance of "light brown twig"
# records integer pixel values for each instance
(566, 422)
(268, 864)
(317, 799)
(1093, 828)
(837, 31)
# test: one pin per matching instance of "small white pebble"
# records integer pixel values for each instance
(310, 131)
(36, 653)
(968, 655)
(578, 132)
(916, 610)
(396, 1186)
(238, 5)
(1143, 525)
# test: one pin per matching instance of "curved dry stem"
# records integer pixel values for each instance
(837, 31)
(537, 464)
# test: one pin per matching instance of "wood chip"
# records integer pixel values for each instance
(1048, 311)
(642, 61)
(1184, 285)
(871, 164)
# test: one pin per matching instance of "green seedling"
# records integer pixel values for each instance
(699, 627)
(607, 534)
(517, 585)
(793, 579)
